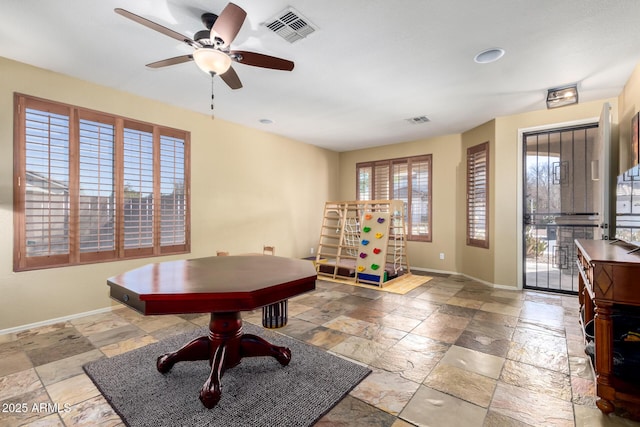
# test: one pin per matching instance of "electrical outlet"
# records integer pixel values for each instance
(311, 251)
(441, 255)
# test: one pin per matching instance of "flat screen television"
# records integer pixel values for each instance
(628, 206)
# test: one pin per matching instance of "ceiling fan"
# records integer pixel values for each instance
(212, 53)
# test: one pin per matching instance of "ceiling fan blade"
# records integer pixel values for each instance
(228, 24)
(171, 61)
(231, 79)
(157, 27)
(261, 60)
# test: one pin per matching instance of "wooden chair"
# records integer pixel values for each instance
(268, 250)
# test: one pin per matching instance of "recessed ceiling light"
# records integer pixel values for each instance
(266, 121)
(489, 55)
(418, 120)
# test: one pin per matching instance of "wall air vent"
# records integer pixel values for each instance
(418, 120)
(290, 25)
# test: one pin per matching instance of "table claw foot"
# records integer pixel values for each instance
(210, 393)
(210, 396)
(283, 356)
(165, 363)
(197, 349)
(252, 345)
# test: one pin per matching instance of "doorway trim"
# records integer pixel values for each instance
(520, 189)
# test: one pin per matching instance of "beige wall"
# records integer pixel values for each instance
(629, 104)
(446, 157)
(276, 196)
(476, 262)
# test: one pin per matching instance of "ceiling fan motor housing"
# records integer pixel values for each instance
(208, 19)
(202, 37)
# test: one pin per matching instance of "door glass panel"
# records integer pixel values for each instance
(559, 204)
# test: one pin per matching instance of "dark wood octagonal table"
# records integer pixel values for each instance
(222, 286)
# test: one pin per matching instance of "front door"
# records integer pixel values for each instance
(561, 203)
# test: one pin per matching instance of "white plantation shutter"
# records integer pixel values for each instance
(407, 179)
(401, 181)
(138, 189)
(46, 186)
(173, 196)
(364, 186)
(93, 187)
(97, 196)
(419, 218)
(478, 195)
(381, 185)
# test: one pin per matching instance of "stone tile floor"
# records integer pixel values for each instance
(452, 352)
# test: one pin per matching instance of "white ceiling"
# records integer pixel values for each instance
(370, 65)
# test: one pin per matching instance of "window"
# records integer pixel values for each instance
(92, 187)
(407, 179)
(478, 195)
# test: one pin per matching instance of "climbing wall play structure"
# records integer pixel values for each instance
(364, 241)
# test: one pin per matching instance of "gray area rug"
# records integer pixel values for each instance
(258, 392)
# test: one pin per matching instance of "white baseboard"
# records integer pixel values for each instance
(493, 285)
(52, 321)
(484, 282)
(430, 270)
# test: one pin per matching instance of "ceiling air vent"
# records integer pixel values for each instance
(418, 120)
(290, 25)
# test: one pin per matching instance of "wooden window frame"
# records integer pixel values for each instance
(389, 188)
(472, 152)
(75, 255)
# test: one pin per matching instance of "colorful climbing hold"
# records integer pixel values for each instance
(380, 220)
(363, 255)
(377, 251)
(361, 268)
(375, 266)
(366, 229)
(379, 235)
(367, 217)
(365, 242)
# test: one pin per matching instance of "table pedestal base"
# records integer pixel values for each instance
(225, 346)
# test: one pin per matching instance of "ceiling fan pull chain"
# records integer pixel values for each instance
(212, 96)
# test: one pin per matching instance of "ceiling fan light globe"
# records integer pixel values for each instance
(212, 60)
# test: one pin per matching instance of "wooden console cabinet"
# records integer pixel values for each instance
(609, 283)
